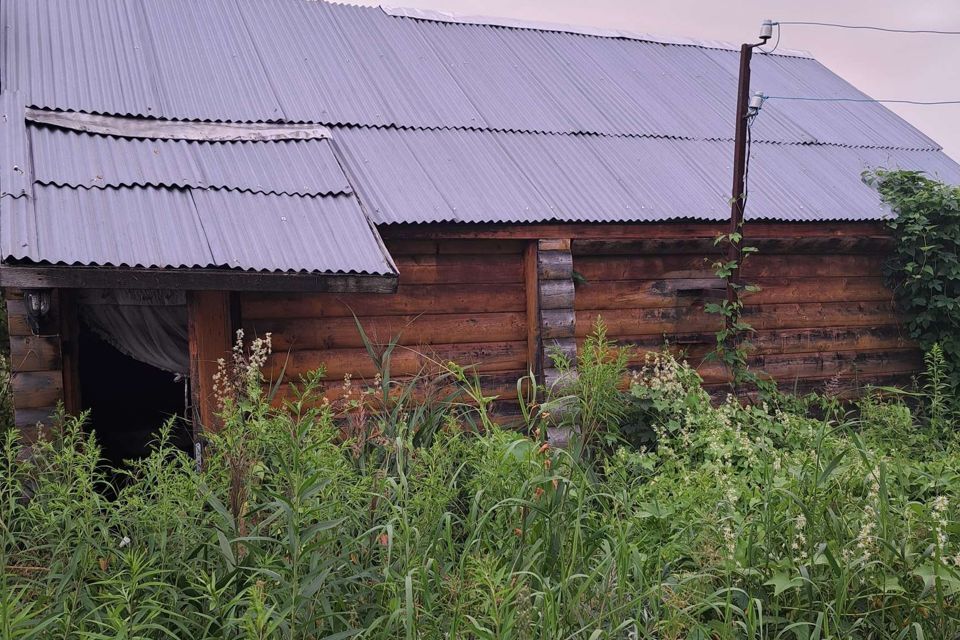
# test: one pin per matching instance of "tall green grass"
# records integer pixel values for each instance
(731, 522)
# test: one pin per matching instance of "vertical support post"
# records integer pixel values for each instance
(734, 252)
(70, 351)
(531, 283)
(209, 328)
(557, 315)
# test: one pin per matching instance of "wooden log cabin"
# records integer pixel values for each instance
(173, 171)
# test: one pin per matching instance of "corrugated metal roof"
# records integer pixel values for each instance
(539, 25)
(91, 199)
(160, 227)
(295, 167)
(271, 60)
(15, 178)
(434, 120)
(263, 232)
(483, 176)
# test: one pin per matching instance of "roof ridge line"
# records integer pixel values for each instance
(433, 15)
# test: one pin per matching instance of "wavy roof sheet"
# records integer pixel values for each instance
(291, 167)
(297, 61)
(433, 119)
(489, 176)
(87, 199)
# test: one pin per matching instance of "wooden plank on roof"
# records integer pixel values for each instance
(156, 129)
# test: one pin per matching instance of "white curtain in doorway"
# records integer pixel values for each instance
(154, 334)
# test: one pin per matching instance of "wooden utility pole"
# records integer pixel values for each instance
(734, 250)
(740, 159)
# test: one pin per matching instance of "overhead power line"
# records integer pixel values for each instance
(870, 28)
(893, 101)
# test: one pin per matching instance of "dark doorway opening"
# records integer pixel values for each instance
(129, 400)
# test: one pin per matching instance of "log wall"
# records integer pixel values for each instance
(43, 366)
(459, 300)
(823, 317)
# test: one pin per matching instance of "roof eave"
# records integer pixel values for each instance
(33, 276)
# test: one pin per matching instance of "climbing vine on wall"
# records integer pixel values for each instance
(733, 346)
(924, 269)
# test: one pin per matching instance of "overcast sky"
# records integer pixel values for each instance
(902, 66)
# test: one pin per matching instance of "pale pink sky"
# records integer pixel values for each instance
(916, 67)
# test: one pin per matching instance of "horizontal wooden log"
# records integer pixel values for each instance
(502, 385)
(211, 279)
(824, 289)
(565, 346)
(34, 353)
(335, 333)
(829, 246)
(846, 387)
(647, 247)
(635, 322)
(778, 341)
(641, 294)
(562, 244)
(653, 294)
(454, 247)
(17, 324)
(832, 245)
(678, 320)
(557, 323)
(600, 269)
(37, 389)
(556, 381)
(815, 314)
(641, 230)
(557, 294)
(468, 269)
(555, 265)
(409, 300)
(486, 357)
(603, 268)
(812, 266)
(786, 368)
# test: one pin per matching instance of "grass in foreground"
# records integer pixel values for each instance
(733, 522)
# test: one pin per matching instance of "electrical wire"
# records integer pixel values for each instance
(746, 163)
(812, 99)
(872, 28)
(776, 44)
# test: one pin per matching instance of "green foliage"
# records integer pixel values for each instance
(924, 270)
(732, 348)
(588, 396)
(742, 522)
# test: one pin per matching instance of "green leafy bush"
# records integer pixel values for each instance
(924, 270)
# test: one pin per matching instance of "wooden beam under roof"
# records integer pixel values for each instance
(87, 277)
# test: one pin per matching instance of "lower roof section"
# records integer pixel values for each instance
(191, 228)
(267, 202)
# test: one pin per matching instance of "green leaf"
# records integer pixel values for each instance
(782, 582)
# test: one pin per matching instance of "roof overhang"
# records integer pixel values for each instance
(86, 277)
